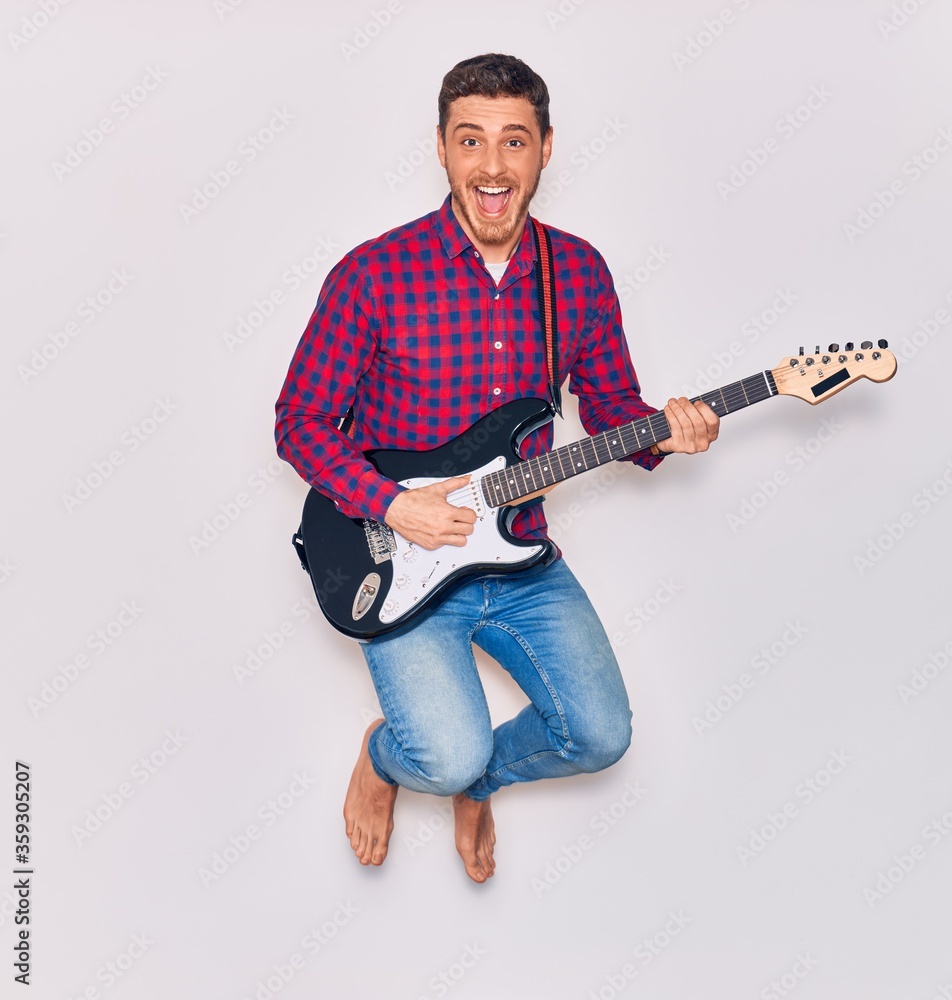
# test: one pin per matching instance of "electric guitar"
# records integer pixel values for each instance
(369, 580)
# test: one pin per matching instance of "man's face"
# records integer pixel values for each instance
(493, 155)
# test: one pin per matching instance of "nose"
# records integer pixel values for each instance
(493, 163)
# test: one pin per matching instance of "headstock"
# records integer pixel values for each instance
(815, 377)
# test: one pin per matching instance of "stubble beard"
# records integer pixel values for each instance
(493, 233)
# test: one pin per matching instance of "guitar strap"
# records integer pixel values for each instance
(545, 279)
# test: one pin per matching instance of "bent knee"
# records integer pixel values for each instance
(452, 769)
(598, 747)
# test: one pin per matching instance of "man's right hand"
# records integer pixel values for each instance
(423, 516)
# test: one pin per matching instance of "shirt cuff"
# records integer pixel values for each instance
(373, 495)
(648, 461)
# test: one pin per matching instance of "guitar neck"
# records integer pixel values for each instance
(525, 478)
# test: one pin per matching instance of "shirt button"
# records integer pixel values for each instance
(497, 295)
(496, 391)
(498, 345)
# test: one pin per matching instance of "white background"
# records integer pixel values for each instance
(157, 386)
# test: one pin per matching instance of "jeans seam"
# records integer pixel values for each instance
(543, 676)
(563, 753)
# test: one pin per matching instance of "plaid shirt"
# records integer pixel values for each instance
(411, 331)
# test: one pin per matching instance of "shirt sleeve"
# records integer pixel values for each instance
(335, 351)
(604, 377)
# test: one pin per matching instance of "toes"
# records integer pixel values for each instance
(370, 850)
(378, 849)
(475, 872)
(478, 869)
(362, 845)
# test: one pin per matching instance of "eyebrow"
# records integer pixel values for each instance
(478, 128)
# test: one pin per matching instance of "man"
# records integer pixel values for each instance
(418, 334)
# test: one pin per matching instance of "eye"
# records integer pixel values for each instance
(515, 142)
(470, 142)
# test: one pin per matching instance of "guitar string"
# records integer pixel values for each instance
(735, 396)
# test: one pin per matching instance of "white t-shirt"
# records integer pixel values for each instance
(497, 270)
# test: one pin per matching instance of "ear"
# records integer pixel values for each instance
(440, 148)
(546, 147)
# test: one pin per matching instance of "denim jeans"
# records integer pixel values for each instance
(541, 627)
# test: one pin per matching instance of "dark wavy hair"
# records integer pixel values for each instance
(494, 75)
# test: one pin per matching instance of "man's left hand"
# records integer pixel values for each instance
(693, 427)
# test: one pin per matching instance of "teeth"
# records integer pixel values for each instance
(492, 190)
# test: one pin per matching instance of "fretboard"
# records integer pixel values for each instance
(524, 478)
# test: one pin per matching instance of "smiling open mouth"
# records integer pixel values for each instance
(492, 200)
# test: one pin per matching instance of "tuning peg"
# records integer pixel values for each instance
(817, 351)
(801, 352)
(884, 344)
(834, 348)
(866, 345)
(849, 346)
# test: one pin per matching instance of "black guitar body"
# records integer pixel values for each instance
(370, 581)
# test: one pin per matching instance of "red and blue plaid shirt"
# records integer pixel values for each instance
(412, 332)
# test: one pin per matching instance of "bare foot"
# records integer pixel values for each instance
(475, 836)
(368, 808)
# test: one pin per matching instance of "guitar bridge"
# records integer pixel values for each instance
(380, 541)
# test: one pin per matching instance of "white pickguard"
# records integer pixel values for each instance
(416, 571)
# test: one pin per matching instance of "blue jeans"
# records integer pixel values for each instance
(541, 627)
